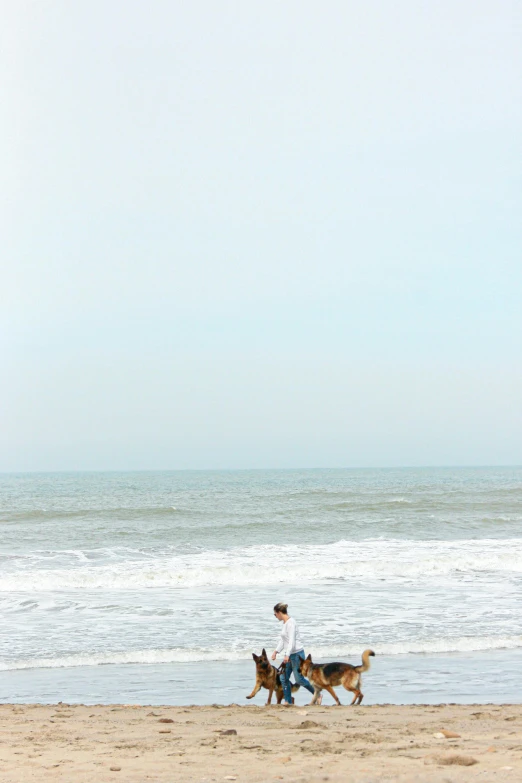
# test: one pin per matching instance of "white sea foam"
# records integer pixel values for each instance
(182, 655)
(393, 560)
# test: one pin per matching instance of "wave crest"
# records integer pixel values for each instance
(183, 655)
(383, 559)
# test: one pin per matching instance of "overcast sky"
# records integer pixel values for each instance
(260, 234)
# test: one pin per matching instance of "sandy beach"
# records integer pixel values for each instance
(249, 743)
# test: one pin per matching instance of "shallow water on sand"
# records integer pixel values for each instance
(460, 678)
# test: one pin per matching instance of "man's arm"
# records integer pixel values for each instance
(278, 649)
(290, 647)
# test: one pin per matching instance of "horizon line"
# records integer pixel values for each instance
(258, 470)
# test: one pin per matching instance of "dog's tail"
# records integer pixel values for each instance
(365, 661)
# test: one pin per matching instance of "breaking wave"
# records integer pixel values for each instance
(383, 559)
(182, 655)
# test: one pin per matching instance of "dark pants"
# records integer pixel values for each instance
(293, 666)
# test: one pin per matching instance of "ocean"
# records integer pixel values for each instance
(156, 587)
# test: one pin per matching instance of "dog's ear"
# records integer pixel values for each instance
(263, 653)
(255, 657)
(309, 658)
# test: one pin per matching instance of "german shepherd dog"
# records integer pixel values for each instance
(326, 675)
(267, 676)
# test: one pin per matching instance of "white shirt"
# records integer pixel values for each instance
(289, 641)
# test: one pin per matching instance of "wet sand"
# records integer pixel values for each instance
(80, 743)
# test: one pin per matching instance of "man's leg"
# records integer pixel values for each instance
(300, 680)
(285, 682)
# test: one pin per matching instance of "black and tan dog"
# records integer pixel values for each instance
(267, 676)
(326, 675)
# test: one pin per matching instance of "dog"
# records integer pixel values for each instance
(267, 676)
(326, 675)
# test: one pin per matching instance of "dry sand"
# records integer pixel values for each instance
(376, 743)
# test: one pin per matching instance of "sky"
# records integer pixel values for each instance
(260, 234)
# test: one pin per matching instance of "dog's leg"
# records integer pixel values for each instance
(317, 693)
(270, 692)
(279, 696)
(356, 696)
(360, 696)
(354, 686)
(333, 693)
(257, 688)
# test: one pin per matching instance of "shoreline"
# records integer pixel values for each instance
(462, 678)
(64, 742)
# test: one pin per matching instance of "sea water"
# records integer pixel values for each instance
(153, 587)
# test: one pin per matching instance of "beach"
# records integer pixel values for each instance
(134, 743)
